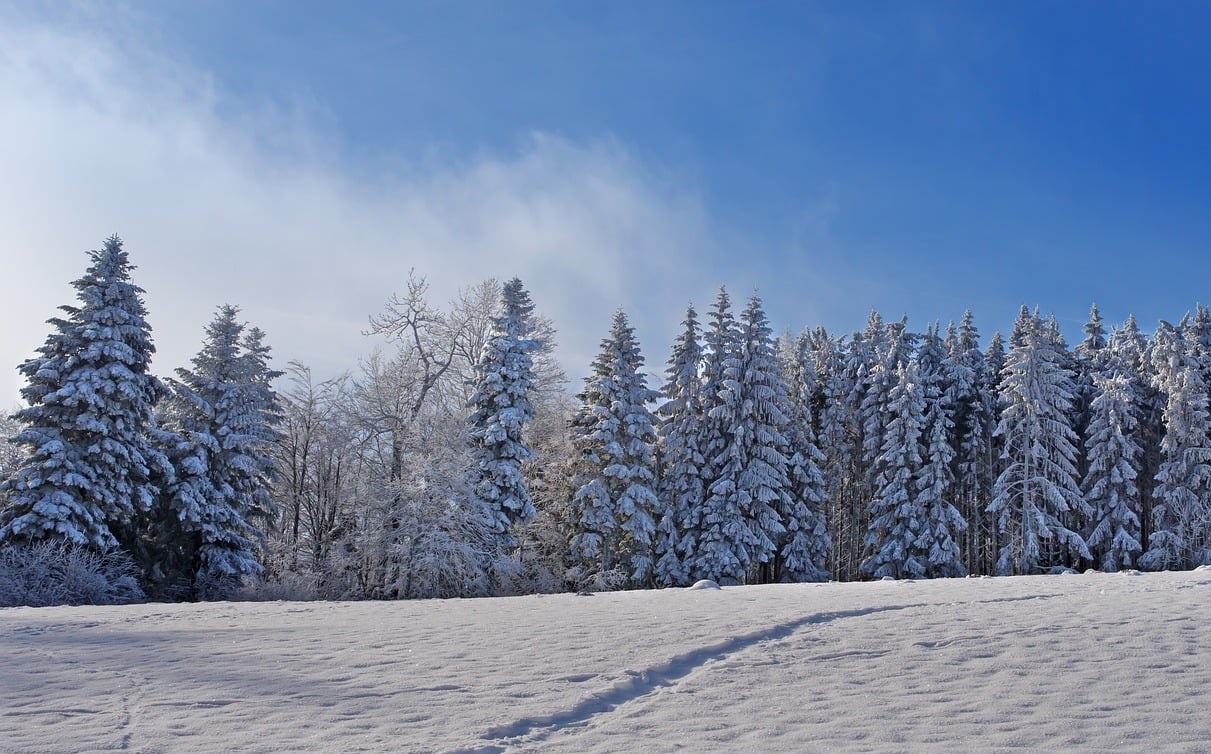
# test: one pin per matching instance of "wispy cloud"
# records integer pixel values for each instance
(250, 204)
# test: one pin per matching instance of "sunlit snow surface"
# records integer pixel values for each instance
(1095, 662)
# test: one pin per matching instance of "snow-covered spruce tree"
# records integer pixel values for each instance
(90, 467)
(1088, 360)
(614, 434)
(842, 442)
(990, 397)
(1128, 355)
(742, 521)
(707, 553)
(500, 410)
(966, 393)
(1109, 485)
(220, 427)
(888, 352)
(804, 550)
(1196, 329)
(895, 519)
(1181, 511)
(943, 524)
(681, 488)
(1037, 490)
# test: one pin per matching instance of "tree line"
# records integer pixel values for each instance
(452, 462)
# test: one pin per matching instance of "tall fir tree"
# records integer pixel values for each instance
(1128, 355)
(1181, 510)
(1110, 482)
(1036, 493)
(219, 429)
(741, 519)
(712, 530)
(943, 524)
(804, 550)
(614, 435)
(970, 404)
(500, 409)
(840, 441)
(681, 488)
(895, 519)
(90, 466)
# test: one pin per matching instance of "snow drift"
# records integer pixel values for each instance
(1094, 662)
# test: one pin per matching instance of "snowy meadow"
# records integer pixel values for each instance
(1093, 662)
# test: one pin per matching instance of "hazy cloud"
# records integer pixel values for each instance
(249, 205)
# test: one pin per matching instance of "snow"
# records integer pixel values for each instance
(1090, 662)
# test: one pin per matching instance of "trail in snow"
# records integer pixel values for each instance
(1095, 662)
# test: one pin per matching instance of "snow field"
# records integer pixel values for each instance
(1095, 662)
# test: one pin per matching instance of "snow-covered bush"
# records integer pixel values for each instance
(53, 572)
(287, 586)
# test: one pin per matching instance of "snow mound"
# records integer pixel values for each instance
(1203, 568)
(704, 584)
(1131, 572)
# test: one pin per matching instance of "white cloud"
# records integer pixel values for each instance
(252, 207)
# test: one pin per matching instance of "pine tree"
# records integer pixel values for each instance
(741, 521)
(889, 350)
(1181, 512)
(968, 395)
(90, 466)
(613, 434)
(895, 519)
(804, 550)
(1109, 483)
(936, 489)
(1128, 351)
(681, 483)
(840, 442)
(1037, 491)
(501, 409)
(219, 428)
(712, 531)
(990, 397)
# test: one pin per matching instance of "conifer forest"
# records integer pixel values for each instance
(456, 461)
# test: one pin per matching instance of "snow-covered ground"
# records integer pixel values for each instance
(1086, 663)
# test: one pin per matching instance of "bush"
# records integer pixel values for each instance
(57, 573)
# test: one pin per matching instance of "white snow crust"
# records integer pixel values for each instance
(1095, 662)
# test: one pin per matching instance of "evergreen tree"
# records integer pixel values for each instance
(1036, 492)
(712, 533)
(971, 399)
(990, 394)
(895, 519)
(613, 434)
(840, 442)
(1110, 481)
(741, 521)
(1128, 355)
(220, 428)
(501, 408)
(1089, 360)
(935, 485)
(804, 550)
(1181, 512)
(681, 483)
(89, 468)
(889, 350)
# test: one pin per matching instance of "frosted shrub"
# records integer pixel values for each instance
(57, 573)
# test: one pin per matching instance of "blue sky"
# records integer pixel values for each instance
(915, 157)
